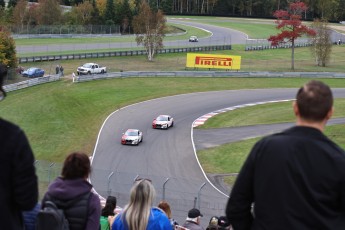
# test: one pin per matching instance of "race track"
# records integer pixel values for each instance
(219, 36)
(168, 153)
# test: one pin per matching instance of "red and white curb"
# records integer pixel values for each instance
(201, 120)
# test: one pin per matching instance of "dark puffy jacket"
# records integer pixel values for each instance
(75, 210)
(67, 191)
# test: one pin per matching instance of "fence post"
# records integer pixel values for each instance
(108, 188)
(195, 198)
(199, 194)
(164, 188)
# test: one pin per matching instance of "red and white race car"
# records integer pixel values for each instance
(132, 137)
(163, 122)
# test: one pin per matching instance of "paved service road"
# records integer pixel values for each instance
(168, 153)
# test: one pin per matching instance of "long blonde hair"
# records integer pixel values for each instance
(137, 212)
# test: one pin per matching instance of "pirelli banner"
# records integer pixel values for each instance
(213, 61)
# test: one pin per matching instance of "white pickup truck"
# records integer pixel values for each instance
(91, 68)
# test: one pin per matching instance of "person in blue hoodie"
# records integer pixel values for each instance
(72, 193)
(139, 213)
(30, 217)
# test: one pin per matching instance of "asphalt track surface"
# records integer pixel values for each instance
(219, 36)
(169, 153)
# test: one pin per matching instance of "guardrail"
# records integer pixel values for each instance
(119, 53)
(84, 78)
(31, 82)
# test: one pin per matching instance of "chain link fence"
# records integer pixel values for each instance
(181, 193)
(27, 30)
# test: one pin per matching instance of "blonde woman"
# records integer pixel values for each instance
(139, 213)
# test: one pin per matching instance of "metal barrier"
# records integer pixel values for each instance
(84, 78)
(119, 53)
(31, 82)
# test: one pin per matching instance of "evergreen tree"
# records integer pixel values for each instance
(11, 3)
(109, 15)
(67, 2)
(95, 17)
(2, 3)
(166, 6)
(154, 5)
(136, 8)
(124, 16)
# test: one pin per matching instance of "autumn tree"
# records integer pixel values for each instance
(82, 13)
(101, 5)
(20, 13)
(149, 27)
(290, 25)
(7, 48)
(321, 43)
(49, 12)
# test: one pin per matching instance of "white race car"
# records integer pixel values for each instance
(132, 137)
(163, 122)
(193, 39)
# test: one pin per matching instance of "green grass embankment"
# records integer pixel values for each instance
(62, 117)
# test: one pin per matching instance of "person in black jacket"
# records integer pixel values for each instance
(18, 180)
(294, 179)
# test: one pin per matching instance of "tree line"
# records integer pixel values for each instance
(121, 12)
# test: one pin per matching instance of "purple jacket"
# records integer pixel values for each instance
(70, 189)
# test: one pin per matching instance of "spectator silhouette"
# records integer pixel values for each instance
(295, 178)
(223, 223)
(61, 71)
(107, 212)
(213, 224)
(18, 182)
(30, 217)
(193, 220)
(164, 205)
(57, 69)
(110, 205)
(139, 213)
(72, 193)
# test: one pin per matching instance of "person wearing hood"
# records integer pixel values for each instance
(72, 193)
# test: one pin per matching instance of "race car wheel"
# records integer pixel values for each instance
(172, 124)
